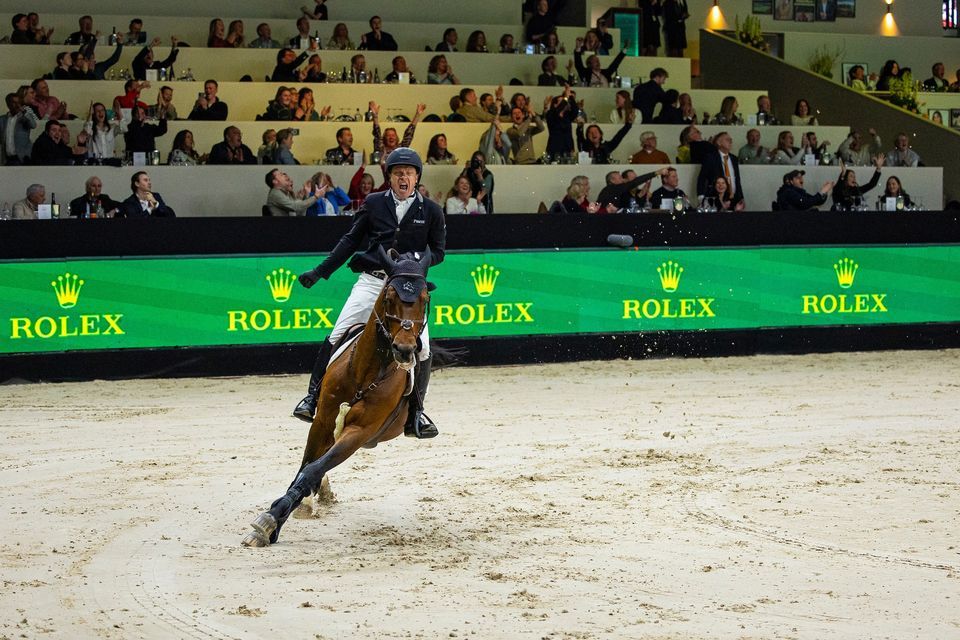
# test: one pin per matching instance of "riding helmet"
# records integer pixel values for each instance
(405, 156)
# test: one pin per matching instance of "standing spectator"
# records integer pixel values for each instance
(462, 200)
(26, 209)
(131, 95)
(449, 42)
(540, 24)
(232, 150)
(437, 152)
(377, 39)
(753, 152)
(287, 63)
(593, 74)
(85, 35)
(103, 132)
(439, 72)
(526, 124)
(549, 77)
(93, 203)
(649, 94)
(285, 147)
(282, 201)
(319, 10)
(183, 152)
(792, 197)
(477, 42)
(340, 39)
(208, 106)
(937, 82)
(650, 26)
(141, 136)
(215, 39)
(98, 70)
(670, 112)
(720, 162)
(594, 144)
(145, 59)
(135, 33)
(675, 15)
(855, 153)
(648, 153)
(144, 202)
(165, 106)
(847, 193)
(561, 113)
(15, 128)
(264, 39)
(902, 155)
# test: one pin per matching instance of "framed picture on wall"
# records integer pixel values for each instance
(955, 118)
(804, 10)
(939, 116)
(783, 10)
(762, 7)
(826, 10)
(846, 8)
(847, 67)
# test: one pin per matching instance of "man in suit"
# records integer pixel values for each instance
(648, 95)
(93, 203)
(143, 202)
(398, 218)
(720, 162)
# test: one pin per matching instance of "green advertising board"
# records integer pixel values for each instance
(241, 300)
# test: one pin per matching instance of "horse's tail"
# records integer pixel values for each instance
(443, 357)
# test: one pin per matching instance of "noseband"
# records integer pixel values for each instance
(405, 323)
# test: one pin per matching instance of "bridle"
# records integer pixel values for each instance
(405, 323)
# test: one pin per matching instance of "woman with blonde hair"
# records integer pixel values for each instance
(235, 34)
(577, 199)
(340, 38)
(728, 111)
(215, 37)
(330, 199)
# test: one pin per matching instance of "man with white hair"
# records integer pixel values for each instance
(902, 155)
(649, 154)
(26, 209)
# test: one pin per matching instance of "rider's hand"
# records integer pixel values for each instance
(309, 278)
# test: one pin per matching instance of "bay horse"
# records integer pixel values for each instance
(362, 397)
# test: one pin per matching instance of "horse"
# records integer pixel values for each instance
(363, 393)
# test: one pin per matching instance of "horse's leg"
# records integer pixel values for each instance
(318, 442)
(267, 526)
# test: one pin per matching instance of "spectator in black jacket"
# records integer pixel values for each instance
(593, 75)
(287, 63)
(649, 94)
(720, 161)
(549, 77)
(617, 190)
(21, 30)
(449, 42)
(92, 200)
(145, 59)
(541, 23)
(208, 106)
(562, 112)
(792, 197)
(231, 150)
(140, 135)
(144, 202)
(65, 69)
(377, 39)
(85, 35)
(594, 144)
(51, 149)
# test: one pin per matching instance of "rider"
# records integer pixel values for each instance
(398, 218)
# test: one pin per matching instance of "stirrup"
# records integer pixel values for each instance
(306, 408)
(420, 427)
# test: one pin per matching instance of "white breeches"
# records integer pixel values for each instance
(359, 306)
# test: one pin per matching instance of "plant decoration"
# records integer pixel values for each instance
(905, 93)
(824, 59)
(750, 33)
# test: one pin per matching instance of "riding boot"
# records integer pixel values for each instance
(419, 425)
(308, 406)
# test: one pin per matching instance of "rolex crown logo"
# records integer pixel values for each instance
(846, 270)
(485, 279)
(67, 287)
(670, 273)
(281, 284)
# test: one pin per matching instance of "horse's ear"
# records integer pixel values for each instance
(424, 260)
(384, 259)
(394, 254)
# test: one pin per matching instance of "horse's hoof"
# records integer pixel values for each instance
(263, 527)
(255, 539)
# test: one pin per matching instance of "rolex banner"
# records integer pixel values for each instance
(188, 302)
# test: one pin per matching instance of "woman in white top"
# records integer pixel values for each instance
(103, 133)
(461, 201)
(623, 109)
(783, 153)
(801, 115)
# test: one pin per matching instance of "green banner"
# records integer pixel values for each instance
(229, 300)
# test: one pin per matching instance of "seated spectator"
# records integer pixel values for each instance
(264, 39)
(598, 43)
(937, 82)
(314, 70)
(361, 185)
(753, 152)
(343, 152)
(131, 96)
(648, 153)
(15, 128)
(215, 39)
(687, 113)
(103, 132)
(26, 209)
(302, 39)
(802, 116)
(40, 35)
(549, 77)
(145, 61)
(561, 113)
(330, 199)
(281, 107)
(785, 152)
(85, 35)
(648, 95)
(50, 148)
(551, 44)
(526, 123)
(894, 190)
(21, 30)
(285, 147)
(93, 203)
(792, 197)
(693, 148)
(594, 144)
(462, 200)
(616, 195)
(481, 180)
(847, 193)
(65, 69)
(506, 43)
(454, 116)
(399, 66)
(165, 107)
(814, 146)
(144, 202)
(282, 200)
(319, 11)
(477, 42)
(623, 107)
(541, 23)
(449, 42)
(232, 150)
(669, 190)
(306, 110)
(593, 74)
(46, 105)
(765, 111)
(472, 111)
(287, 63)
(358, 69)
(855, 153)
(377, 39)
(140, 135)
(670, 112)
(135, 33)
(902, 155)
(439, 72)
(437, 152)
(340, 40)
(858, 81)
(728, 112)
(268, 149)
(577, 199)
(890, 71)
(955, 85)
(235, 38)
(208, 106)
(719, 161)
(722, 197)
(183, 152)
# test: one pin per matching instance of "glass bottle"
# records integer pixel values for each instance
(54, 207)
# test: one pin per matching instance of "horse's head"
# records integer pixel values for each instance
(406, 297)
